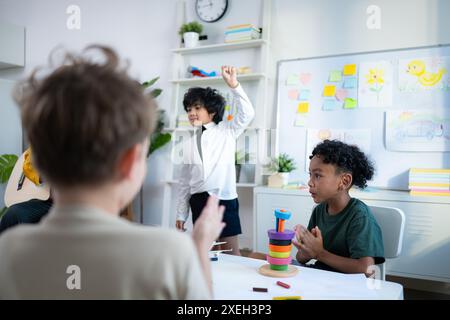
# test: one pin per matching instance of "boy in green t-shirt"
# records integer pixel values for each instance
(342, 234)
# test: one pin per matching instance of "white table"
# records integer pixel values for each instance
(234, 278)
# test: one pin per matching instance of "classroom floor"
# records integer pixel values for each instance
(408, 293)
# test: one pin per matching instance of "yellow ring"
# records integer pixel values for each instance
(279, 254)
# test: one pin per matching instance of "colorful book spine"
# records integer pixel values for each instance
(429, 182)
(243, 32)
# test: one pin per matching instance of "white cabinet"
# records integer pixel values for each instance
(12, 46)
(426, 243)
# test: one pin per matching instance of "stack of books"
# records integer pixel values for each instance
(183, 121)
(429, 182)
(242, 32)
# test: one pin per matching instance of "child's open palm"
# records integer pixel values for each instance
(229, 74)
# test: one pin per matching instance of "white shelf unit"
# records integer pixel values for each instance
(214, 80)
(253, 53)
(221, 47)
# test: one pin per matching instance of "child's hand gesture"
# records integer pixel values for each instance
(311, 243)
(229, 74)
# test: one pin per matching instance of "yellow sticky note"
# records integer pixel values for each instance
(329, 91)
(349, 69)
(303, 107)
(227, 108)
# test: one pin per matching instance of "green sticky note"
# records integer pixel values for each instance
(300, 121)
(292, 80)
(335, 76)
(350, 103)
(227, 108)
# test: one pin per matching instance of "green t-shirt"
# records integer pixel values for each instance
(352, 233)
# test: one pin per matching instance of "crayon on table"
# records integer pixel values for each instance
(288, 298)
(284, 285)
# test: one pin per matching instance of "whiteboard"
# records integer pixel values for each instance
(349, 97)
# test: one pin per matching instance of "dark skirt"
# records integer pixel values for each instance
(31, 211)
(230, 216)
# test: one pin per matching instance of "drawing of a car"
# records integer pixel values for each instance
(420, 129)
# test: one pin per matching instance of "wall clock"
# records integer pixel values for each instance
(211, 10)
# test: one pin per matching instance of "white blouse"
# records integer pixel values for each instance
(216, 174)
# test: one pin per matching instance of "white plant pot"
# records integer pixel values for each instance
(278, 180)
(190, 39)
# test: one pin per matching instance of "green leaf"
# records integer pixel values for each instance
(191, 27)
(2, 212)
(147, 84)
(155, 92)
(283, 163)
(158, 141)
(7, 162)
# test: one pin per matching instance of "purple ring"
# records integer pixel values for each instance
(286, 235)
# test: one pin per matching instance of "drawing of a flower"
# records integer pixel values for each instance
(375, 78)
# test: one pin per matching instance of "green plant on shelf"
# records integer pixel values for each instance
(193, 26)
(282, 163)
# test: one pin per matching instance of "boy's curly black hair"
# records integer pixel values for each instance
(209, 98)
(346, 158)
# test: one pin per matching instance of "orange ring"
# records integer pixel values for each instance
(280, 248)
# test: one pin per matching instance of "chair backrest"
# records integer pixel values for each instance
(392, 224)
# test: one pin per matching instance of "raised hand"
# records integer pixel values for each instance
(229, 74)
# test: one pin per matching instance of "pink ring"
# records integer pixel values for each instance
(278, 261)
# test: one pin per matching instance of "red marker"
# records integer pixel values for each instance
(282, 284)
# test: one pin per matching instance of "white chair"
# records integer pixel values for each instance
(392, 224)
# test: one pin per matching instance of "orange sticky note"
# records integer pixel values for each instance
(349, 69)
(329, 91)
(303, 107)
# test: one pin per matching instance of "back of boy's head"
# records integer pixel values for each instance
(346, 158)
(210, 98)
(82, 117)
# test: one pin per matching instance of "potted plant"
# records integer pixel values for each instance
(191, 33)
(7, 163)
(158, 139)
(240, 158)
(281, 166)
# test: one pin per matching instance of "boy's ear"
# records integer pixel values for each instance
(127, 161)
(346, 181)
